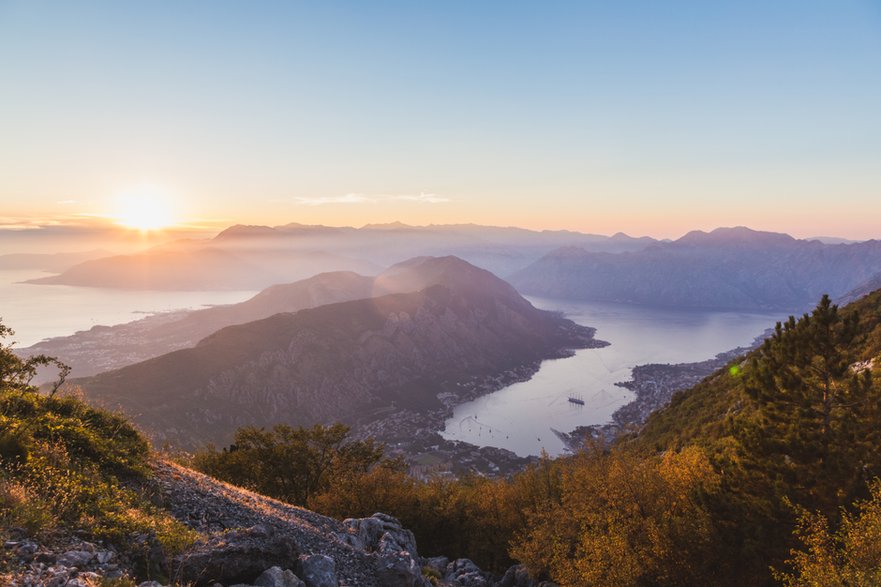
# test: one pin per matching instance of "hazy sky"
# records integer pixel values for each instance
(648, 117)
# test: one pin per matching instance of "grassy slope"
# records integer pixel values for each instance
(66, 467)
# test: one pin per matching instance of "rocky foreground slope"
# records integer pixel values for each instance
(249, 539)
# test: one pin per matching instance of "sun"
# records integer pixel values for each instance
(144, 210)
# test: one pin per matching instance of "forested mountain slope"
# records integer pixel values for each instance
(796, 422)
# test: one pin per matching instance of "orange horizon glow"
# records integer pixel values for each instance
(156, 219)
(181, 208)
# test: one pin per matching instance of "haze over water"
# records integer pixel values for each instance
(37, 312)
(520, 416)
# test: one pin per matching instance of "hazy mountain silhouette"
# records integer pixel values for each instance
(728, 268)
(254, 257)
(187, 266)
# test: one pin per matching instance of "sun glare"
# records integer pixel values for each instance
(144, 210)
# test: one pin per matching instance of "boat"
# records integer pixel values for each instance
(576, 399)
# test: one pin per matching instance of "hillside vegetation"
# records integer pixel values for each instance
(66, 467)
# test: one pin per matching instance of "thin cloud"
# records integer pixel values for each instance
(344, 199)
(423, 198)
(353, 198)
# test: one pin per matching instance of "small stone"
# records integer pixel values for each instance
(75, 558)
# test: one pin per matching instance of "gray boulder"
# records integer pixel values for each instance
(380, 533)
(318, 570)
(399, 570)
(464, 573)
(275, 577)
(239, 556)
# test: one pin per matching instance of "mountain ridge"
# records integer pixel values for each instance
(338, 361)
(257, 256)
(104, 348)
(726, 269)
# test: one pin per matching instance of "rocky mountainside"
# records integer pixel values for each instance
(347, 362)
(249, 539)
(102, 348)
(860, 291)
(728, 268)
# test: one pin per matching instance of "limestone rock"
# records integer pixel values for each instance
(465, 573)
(399, 570)
(235, 557)
(381, 533)
(275, 577)
(318, 570)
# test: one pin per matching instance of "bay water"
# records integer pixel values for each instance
(37, 312)
(520, 417)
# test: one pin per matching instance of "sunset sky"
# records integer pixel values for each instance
(645, 117)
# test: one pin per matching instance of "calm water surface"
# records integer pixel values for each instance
(520, 416)
(36, 312)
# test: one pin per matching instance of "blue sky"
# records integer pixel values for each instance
(647, 117)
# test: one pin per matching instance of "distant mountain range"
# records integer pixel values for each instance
(342, 361)
(728, 268)
(196, 266)
(255, 257)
